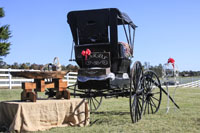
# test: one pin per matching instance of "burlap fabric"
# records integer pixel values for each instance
(43, 114)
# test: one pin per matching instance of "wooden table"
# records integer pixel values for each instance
(56, 83)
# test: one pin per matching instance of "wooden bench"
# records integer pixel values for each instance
(30, 89)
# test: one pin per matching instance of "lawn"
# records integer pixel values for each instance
(113, 115)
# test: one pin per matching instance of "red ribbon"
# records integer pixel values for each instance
(171, 60)
(86, 53)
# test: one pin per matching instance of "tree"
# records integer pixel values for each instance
(5, 34)
(157, 69)
(34, 66)
(24, 66)
(15, 65)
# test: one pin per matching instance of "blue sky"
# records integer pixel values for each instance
(166, 28)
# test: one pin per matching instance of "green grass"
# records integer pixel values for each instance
(113, 115)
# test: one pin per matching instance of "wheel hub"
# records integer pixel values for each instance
(148, 96)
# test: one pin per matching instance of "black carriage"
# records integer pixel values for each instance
(105, 62)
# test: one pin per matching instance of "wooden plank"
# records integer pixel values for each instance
(28, 86)
(40, 75)
(59, 83)
(63, 84)
(49, 85)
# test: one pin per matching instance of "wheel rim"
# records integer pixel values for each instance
(136, 99)
(136, 107)
(137, 73)
(152, 92)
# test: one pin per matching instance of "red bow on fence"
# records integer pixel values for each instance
(171, 60)
(86, 53)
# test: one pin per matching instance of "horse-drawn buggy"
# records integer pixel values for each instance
(105, 62)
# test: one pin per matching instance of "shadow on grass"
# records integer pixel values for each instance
(111, 113)
(105, 114)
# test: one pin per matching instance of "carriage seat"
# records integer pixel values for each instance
(125, 50)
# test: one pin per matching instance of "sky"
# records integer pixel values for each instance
(166, 28)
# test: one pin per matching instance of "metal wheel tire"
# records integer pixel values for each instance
(136, 99)
(136, 74)
(152, 92)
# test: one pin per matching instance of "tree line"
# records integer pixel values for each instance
(158, 70)
(34, 66)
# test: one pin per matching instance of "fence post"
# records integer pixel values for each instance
(10, 79)
(67, 78)
(199, 83)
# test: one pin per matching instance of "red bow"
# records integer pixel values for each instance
(171, 60)
(86, 53)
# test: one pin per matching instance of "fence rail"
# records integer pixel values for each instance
(192, 84)
(6, 79)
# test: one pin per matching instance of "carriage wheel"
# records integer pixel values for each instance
(94, 103)
(93, 98)
(152, 92)
(136, 99)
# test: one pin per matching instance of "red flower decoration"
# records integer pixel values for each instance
(171, 60)
(86, 53)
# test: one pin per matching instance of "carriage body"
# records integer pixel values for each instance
(105, 62)
(110, 60)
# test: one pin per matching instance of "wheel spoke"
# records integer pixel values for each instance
(140, 112)
(153, 103)
(148, 107)
(93, 103)
(133, 103)
(140, 104)
(145, 107)
(96, 100)
(155, 98)
(90, 104)
(151, 108)
(135, 109)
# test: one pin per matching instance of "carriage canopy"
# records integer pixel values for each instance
(97, 26)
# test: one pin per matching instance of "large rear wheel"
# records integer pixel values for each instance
(136, 99)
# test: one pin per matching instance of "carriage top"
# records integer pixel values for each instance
(98, 23)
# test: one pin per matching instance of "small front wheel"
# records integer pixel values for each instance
(94, 103)
(152, 92)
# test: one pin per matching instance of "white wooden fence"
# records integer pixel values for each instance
(71, 78)
(6, 79)
(191, 84)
